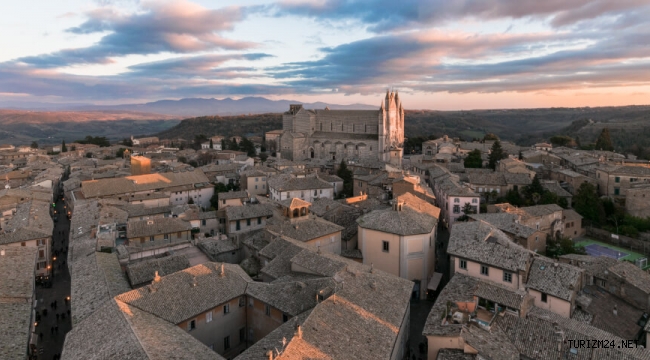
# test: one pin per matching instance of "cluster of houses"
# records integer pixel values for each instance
(281, 265)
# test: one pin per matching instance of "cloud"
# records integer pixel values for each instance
(175, 27)
(386, 15)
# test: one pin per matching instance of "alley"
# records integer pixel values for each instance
(53, 307)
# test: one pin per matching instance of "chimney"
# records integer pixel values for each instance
(156, 277)
(270, 354)
(299, 332)
(223, 270)
(372, 267)
(2, 253)
(615, 310)
(193, 281)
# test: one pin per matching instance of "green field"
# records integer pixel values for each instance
(632, 257)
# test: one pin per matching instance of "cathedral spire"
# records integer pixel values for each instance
(387, 94)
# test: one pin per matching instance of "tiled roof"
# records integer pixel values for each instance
(31, 221)
(484, 243)
(294, 203)
(137, 183)
(461, 288)
(233, 195)
(183, 294)
(155, 226)
(505, 222)
(17, 266)
(303, 230)
(454, 354)
(517, 179)
(486, 178)
(213, 246)
(291, 298)
(272, 341)
(556, 279)
(144, 271)
(554, 187)
(404, 222)
(632, 274)
(288, 182)
(95, 279)
(491, 344)
(120, 331)
(500, 294)
(248, 211)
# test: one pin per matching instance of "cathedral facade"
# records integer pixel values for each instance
(344, 134)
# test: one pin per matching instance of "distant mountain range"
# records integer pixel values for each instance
(194, 106)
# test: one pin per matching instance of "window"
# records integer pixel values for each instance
(23, 244)
(248, 222)
(633, 179)
(544, 298)
(192, 325)
(536, 238)
(208, 317)
(617, 179)
(226, 343)
(456, 209)
(456, 200)
(226, 309)
(224, 201)
(507, 277)
(238, 225)
(255, 187)
(151, 238)
(242, 335)
(179, 234)
(263, 179)
(41, 254)
(462, 264)
(267, 310)
(385, 246)
(617, 191)
(485, 270)
(474, 201)
(166, 236)
(242, 301)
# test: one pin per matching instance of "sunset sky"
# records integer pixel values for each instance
(443, 55)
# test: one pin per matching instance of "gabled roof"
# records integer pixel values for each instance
(144, 271)
(132, 184)
(484, 243)
(556, 279)
(294, 203)
(118, 330)
(156, 226)
(248, 211)
(183, 294)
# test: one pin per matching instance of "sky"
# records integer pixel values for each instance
(439, 54)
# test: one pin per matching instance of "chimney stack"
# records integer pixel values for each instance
(193, 281)
(615, 310)
(270, 354)
(223, 270)
(156, 277)
(299, 332)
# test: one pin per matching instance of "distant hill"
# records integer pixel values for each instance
(523, 126)
(206, 107)
(9, 116)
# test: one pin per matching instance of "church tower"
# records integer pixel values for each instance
(391, 134)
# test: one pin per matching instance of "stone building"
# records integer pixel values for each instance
(344, 134)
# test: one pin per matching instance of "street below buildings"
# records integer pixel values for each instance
(53, 307)
(420, 308)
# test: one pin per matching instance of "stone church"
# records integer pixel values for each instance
(344, 134)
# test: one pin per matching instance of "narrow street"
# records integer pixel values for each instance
(420, 308)
(55, 317)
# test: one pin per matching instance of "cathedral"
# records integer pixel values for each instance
(344, 134)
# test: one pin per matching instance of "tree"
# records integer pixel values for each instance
(218, 188)
(473, 159)
(100, 141)
(490, 137)
(63, 147)
(561, 246)
(198, 140)
(535, 187)
(127, 142)
(193, 164)
(561, 140)
(247, 146)
(468, 209)
(120, 152)
(264, 156)
(496, 154)
(514, 197)
(34, 145)
(604, 141)
(89, 155)
(586, 202)
(346, 174)
(211, 144)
